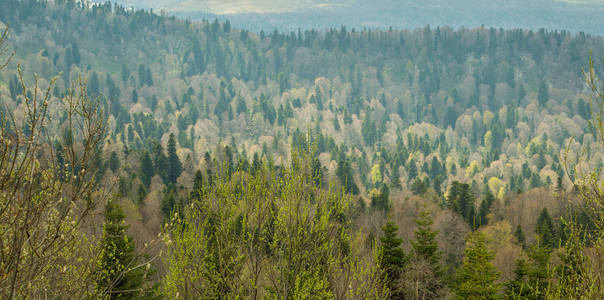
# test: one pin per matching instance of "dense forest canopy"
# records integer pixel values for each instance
(402, 143)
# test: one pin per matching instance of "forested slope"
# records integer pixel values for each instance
(397, 119)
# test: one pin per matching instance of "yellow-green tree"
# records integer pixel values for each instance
(270, 234)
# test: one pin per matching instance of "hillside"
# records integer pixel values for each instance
(476, 126)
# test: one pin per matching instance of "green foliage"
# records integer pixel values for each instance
(392, 259)
(147, 171)
(114, 162)
(174, 164)
(542, 94)
(425, 248)
(271, 234)
(520, 237)
(461, 200)
(344, 173)
(533, 279)
(545, 230)
(484, 208)
(118, 274)
(476, 278)
(380, 199)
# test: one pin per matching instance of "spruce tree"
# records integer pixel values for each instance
(485, 207)
(520, 237)
(545, 229)
(426, 248)
(475, 279)
(174, 164)
(147, 170)
(461, 200)
(114, 162)
(533, 278)
(160, 161)
(542, 94)
(116, 276)
(392, 259)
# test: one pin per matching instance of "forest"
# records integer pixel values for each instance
(147, 156)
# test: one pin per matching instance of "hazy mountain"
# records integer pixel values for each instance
(574, 15)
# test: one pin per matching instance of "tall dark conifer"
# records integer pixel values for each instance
(174, 164)
(392, 259)
(147, 170)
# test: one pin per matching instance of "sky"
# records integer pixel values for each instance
(572, 15)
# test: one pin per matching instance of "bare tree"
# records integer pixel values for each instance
(48, 186)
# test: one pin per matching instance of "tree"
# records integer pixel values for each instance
(160, 161)
(118, 276)
(426, 249)
(380, 198)
(43, 247)
(391, 259)
(461, 200)
(476, 278)
(520, 237)
(533, 278)
(545, 229)
(269, 235)
(147, 170)
(114, 162)
(174, 164)
(376, 175)
(542, 94)
(485, 206)
(344, 173)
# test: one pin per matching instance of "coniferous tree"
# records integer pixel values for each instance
(174, 164)
(520, 237)
(392, 259)
(542, 94)
(425, 248)
(461, 200)
(485, 207)
(160, 161)
(545, 229)
(533, 277)
(344, 173)
(117, 275)
(147, 170)
(142, 193)
(114, 162)
(476, 278)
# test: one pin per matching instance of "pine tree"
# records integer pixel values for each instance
(116, 276)
(392, 259)
(174, 164)
(475, 279)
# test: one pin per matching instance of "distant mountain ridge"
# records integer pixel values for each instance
(572, 15)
